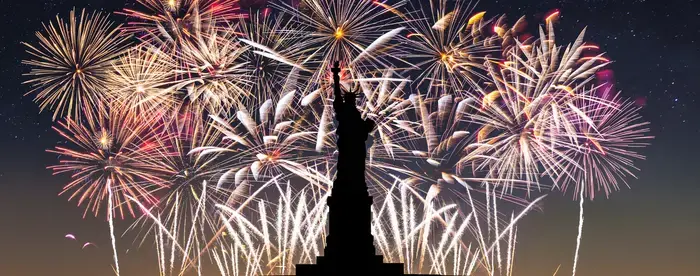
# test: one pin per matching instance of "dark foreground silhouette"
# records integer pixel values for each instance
(349, 244)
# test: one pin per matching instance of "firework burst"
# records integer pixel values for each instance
(70, 65)
(437, 134)
(358, 34)
(140, 81)
(185, 173)
(525, 113)
(275, 141)
(448, 44)
(117, 149)
(606, 148)
(214, 77)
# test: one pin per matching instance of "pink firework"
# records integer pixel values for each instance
(607, 149)
(117, 149)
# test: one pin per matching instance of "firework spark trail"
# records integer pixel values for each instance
(453, 246)
(110, 219)
(185, 174)
(580, 231)
(183, 209)
(162, 230)
(242, 206)
(440, 252)
(243, 229)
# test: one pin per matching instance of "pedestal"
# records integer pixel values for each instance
(350, 244)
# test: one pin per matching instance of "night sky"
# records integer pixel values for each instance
(651, 229)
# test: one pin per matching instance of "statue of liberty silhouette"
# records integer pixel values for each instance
(350, 244)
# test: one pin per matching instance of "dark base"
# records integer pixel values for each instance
(375, 266)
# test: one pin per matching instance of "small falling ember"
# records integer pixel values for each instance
(171, 3)
(78, 71)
